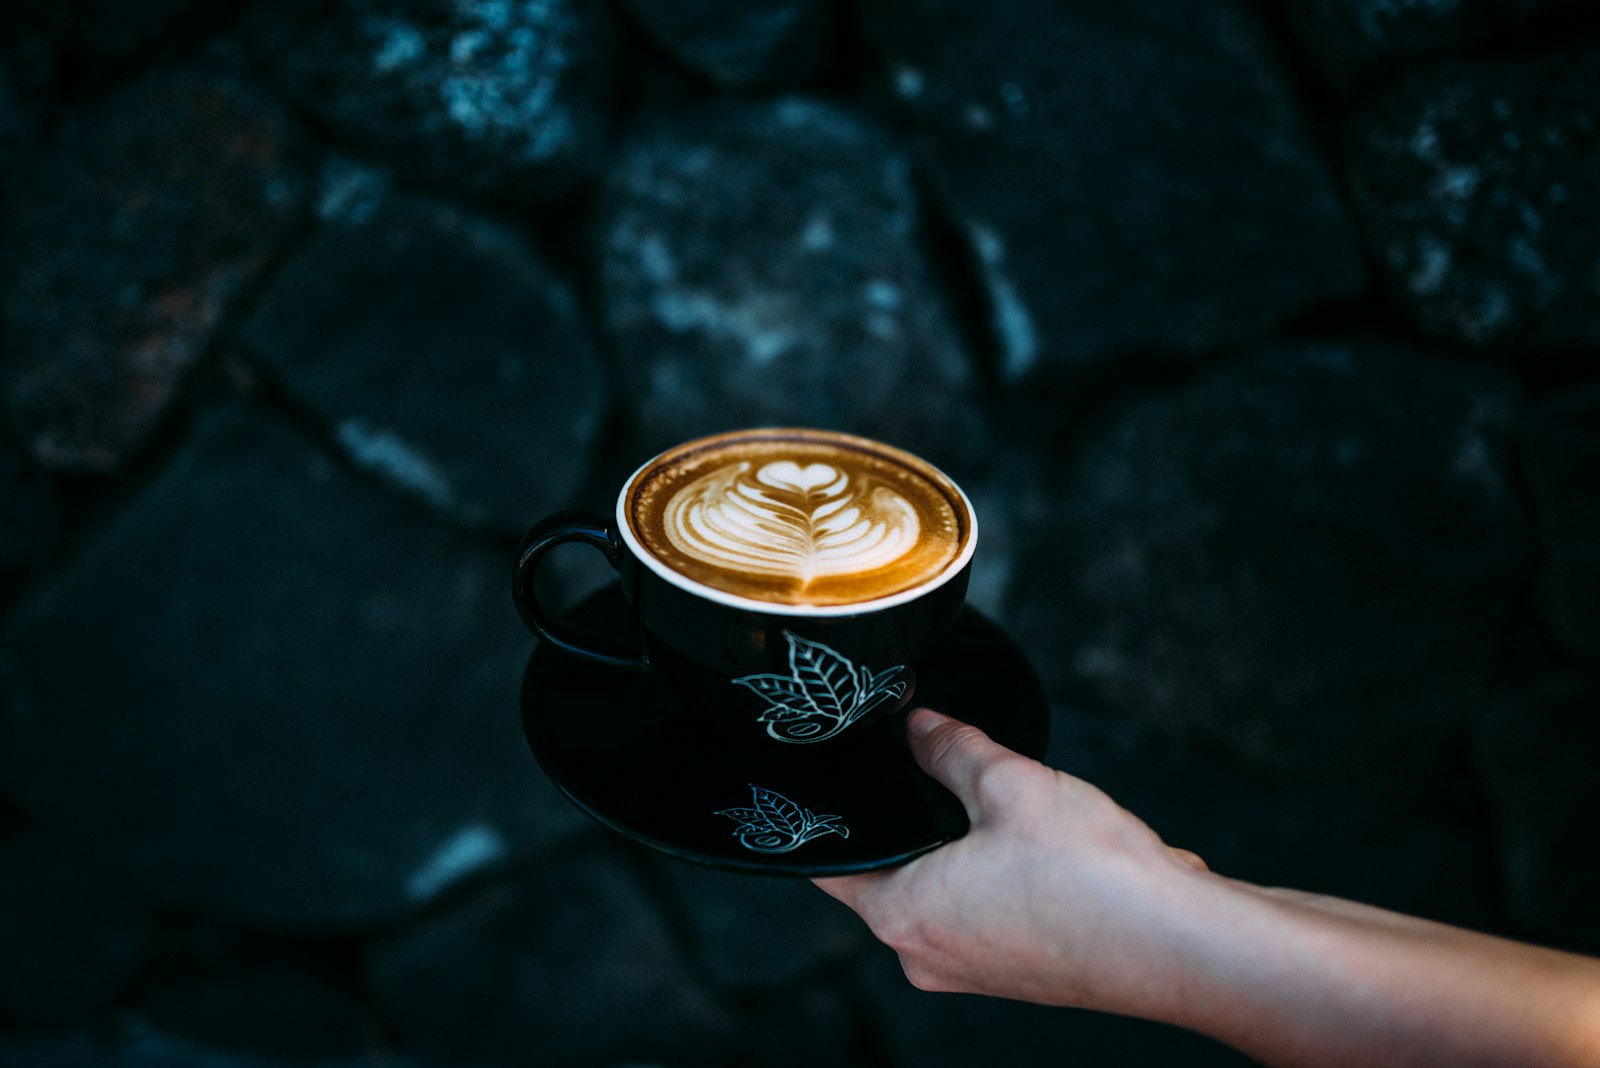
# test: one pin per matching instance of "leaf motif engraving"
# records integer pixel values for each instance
(890, 683)
(864, 678)
(786, 696)
(778, 825)
(778, 810)
(824, 692)
(828, 678)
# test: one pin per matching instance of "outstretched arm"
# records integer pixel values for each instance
(1059, 896)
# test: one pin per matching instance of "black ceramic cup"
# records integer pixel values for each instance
(764, 670)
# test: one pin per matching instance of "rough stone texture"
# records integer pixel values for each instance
(265, 992)
(30, 522)
(1127, 175)
(1478, 188)
(801, 1026)
(155, 1051)
(1304, 556)
(740, 44)
(1357, 836)
(126, 244)
(271, 689)
(760, 266)
(501, 395)
(1350, 41)
(1537, 753)
(570, 961)
(500, 96)
(958, 1031)
(1562, 458)
(15, 126)
(71, 934)
(278, 679)
(1562, 454)
(1004, 508)
(101, 25)
(64, 49)
(801, 929)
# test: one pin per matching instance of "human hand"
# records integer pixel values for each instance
(1056, 895)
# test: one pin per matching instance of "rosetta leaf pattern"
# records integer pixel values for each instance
(777, 825)
(791, 522)
(823, 694)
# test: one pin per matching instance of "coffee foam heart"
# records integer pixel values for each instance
(766, 521)
(799, 518)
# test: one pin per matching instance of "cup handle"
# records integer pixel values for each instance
(554, 530)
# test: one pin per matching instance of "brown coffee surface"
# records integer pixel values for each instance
(798, 517)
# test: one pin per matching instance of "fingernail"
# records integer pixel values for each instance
(923, 721)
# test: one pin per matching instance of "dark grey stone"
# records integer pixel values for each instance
(72, 934)
(1410, 838)
(351, 191)
(273, 689)
(501, 396)
(760, 266)
(753, 933)
(1351, 41)
(255, 991)
(15, 125)
(1562, 450)
(67, 50)
(154, 1051)
(961, 1030)
(1126, 175)
(1304, 556)
(30, 522)
(803, 1025)
(570, 961)
(1537, 754)
(489, 96)
(734, 44)
(1007, 499)
(1478, 188)
(127, 244)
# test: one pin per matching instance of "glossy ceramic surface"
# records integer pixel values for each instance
(621, 749)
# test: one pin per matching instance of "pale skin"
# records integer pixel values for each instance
(1059, 896)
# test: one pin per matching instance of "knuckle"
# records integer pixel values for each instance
(1003, 783)
(923, 977)
(899, 933)
(951, 740)
(920, 951)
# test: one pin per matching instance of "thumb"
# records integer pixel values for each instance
(953, 752)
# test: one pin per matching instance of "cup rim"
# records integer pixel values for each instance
(734, 600)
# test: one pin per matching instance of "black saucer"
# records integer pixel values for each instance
(623, 752)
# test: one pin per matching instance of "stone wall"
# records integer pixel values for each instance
(1264, 335)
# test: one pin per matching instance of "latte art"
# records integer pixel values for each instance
(798, 517)
(787, 521)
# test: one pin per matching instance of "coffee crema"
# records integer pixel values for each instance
(798, 517)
